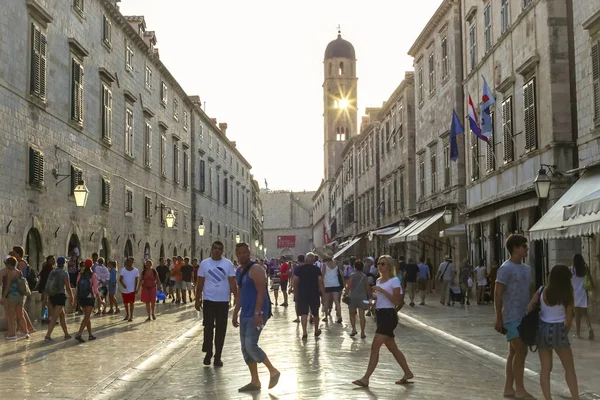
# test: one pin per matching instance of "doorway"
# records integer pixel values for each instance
(128, 249)
(147, 252)
(162, 251)
(33, 248)
(104, 249)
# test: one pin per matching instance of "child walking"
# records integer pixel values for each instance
(556, 315)
(112, 288)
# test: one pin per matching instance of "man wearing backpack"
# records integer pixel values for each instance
(514, 285)
(57, 287)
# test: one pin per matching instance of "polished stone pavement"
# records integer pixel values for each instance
(163, 360)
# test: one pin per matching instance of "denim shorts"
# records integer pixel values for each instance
(249, 339)
(512, 330)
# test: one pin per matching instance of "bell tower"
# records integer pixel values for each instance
(339, 101)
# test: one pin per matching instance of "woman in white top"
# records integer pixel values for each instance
(556, 315)
(332, 278)
(389, 296)
(580, 271)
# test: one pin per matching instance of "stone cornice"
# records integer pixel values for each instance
(106, 75)
(77, 48)
(129, 96)
(431, 27)
(39, 13)
(592, 24)
(409, 79)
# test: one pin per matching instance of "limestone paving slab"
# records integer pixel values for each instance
(67, 369)
(475, 324)
(325, 368)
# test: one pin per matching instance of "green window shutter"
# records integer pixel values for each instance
(202, 176)
(36, 167)
(530, 115)
(508, 145)
(596, 81)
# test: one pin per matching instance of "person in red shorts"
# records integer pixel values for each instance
(284, 276)
(129, 281)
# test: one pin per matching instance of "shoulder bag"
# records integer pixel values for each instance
(442, 274)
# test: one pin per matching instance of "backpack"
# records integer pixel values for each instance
(84, 286)
(54, 283)
(31, 276)
(528, 330)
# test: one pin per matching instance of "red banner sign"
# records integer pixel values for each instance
(286, 241)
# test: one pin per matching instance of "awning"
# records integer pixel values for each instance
(557, 223)
(350, 244)
(590, 204)
(456, 230)
(511, 207)
(390, 230)
(412, 231)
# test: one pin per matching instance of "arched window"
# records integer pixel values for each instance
(341, 70)
(341, 133)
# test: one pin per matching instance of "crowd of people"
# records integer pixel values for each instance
(317, 285)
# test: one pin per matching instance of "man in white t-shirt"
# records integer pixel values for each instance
(216, 281)
(129, 281)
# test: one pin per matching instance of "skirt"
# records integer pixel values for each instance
(148, 294)
(552, 336)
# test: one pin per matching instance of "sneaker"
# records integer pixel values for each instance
(11, 338)
(339, 320)
(207, 358)
(218, 362)
(48, 339)
(368, 314)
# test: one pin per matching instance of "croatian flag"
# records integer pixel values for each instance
(487, 101)
(473, 121)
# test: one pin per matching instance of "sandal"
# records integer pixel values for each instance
(274, 380)
(353, 333)
(317, 333)
(249, 388)
(91, 337)
(79, 339)
(359, 382)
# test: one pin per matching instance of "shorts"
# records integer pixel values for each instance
(512, 330)
(86, 302)
(284, 285)
(112, 287)
(59, 299)
(15, 300)
(482, 282)
(387, 321)
(552, 336)
(422, 284)
(103, 291)
(358, 304)
(304, 306)
(128, 297)
(186, 285)
(333, 289)
(179, 285)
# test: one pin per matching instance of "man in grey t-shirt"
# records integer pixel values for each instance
(446, 275)
(513, 290)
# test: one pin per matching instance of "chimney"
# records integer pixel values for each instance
(364, 122)
(223, 127)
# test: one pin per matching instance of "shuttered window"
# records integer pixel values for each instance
(129, 132)
(148, 145)
(76, 178)
(446, 164)
(529, 109)
(38, 62)
(422, 177)
(128, 200)
(202, 176)
(36, 167)
(78, 5)
(176, 162)
(507, 131)
(106, 114)
(401, 194)
(163, 156)
(225, 190)
(106, 31)
(474, 158)
(77, 91)
(186, 162)
(504, 16)
(490, 156)
(147, 208)
(596, 81)
(433, 171)
(105, 192)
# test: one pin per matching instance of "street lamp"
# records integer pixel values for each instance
(448, 216)
(256, 243)
(542, 184)
(170, 219)
(237, 238)
(201, 229)
(401, 226)
(81, 193)
(260, 247)
(265, 251)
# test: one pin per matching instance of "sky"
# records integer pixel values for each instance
(259, 67)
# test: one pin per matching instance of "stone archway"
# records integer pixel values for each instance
(174, 251)
(147, 252)
(33, 248)
(128, 251)
(162, 250)
(185, 253)
(287, 252)
(105, 249)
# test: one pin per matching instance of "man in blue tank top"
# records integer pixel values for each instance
(255, 305)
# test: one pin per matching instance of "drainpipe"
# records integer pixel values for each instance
(572, 82)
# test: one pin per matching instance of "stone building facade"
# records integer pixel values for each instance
(287, 227)
(84, 97)
(521, 48)
(439, 180)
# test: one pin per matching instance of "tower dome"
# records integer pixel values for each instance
(340, 48)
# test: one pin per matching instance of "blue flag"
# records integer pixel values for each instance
(455, 130)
